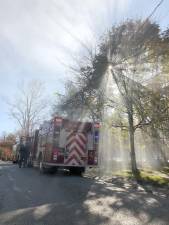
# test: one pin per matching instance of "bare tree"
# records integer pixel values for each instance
(28, 107)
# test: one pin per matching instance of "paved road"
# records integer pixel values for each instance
(28, 198)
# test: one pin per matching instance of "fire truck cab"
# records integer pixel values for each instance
(67, 144)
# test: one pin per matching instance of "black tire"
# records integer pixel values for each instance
(77, 170)
(52, 170)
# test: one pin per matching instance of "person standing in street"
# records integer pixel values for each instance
(27, 150)
(22, 154)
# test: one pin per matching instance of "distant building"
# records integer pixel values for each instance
(6, 150)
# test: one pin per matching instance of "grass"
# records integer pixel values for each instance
(154, 178)
(157, 178)
(165, 170)
(147, 176)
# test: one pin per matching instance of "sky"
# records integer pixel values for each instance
(40, 39)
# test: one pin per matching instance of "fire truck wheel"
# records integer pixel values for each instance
(53, 170)
(77, 171)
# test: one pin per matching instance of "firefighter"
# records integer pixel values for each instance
(22, 154)
(27, 150)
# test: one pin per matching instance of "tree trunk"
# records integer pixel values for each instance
(134, 168)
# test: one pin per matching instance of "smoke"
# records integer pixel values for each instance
(114, 147)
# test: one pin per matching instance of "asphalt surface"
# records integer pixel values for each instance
(29, 198)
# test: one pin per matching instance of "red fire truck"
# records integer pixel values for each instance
(68, 144)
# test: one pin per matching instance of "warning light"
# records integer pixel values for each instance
(96, 125)
(58, 121)
(96, 137)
